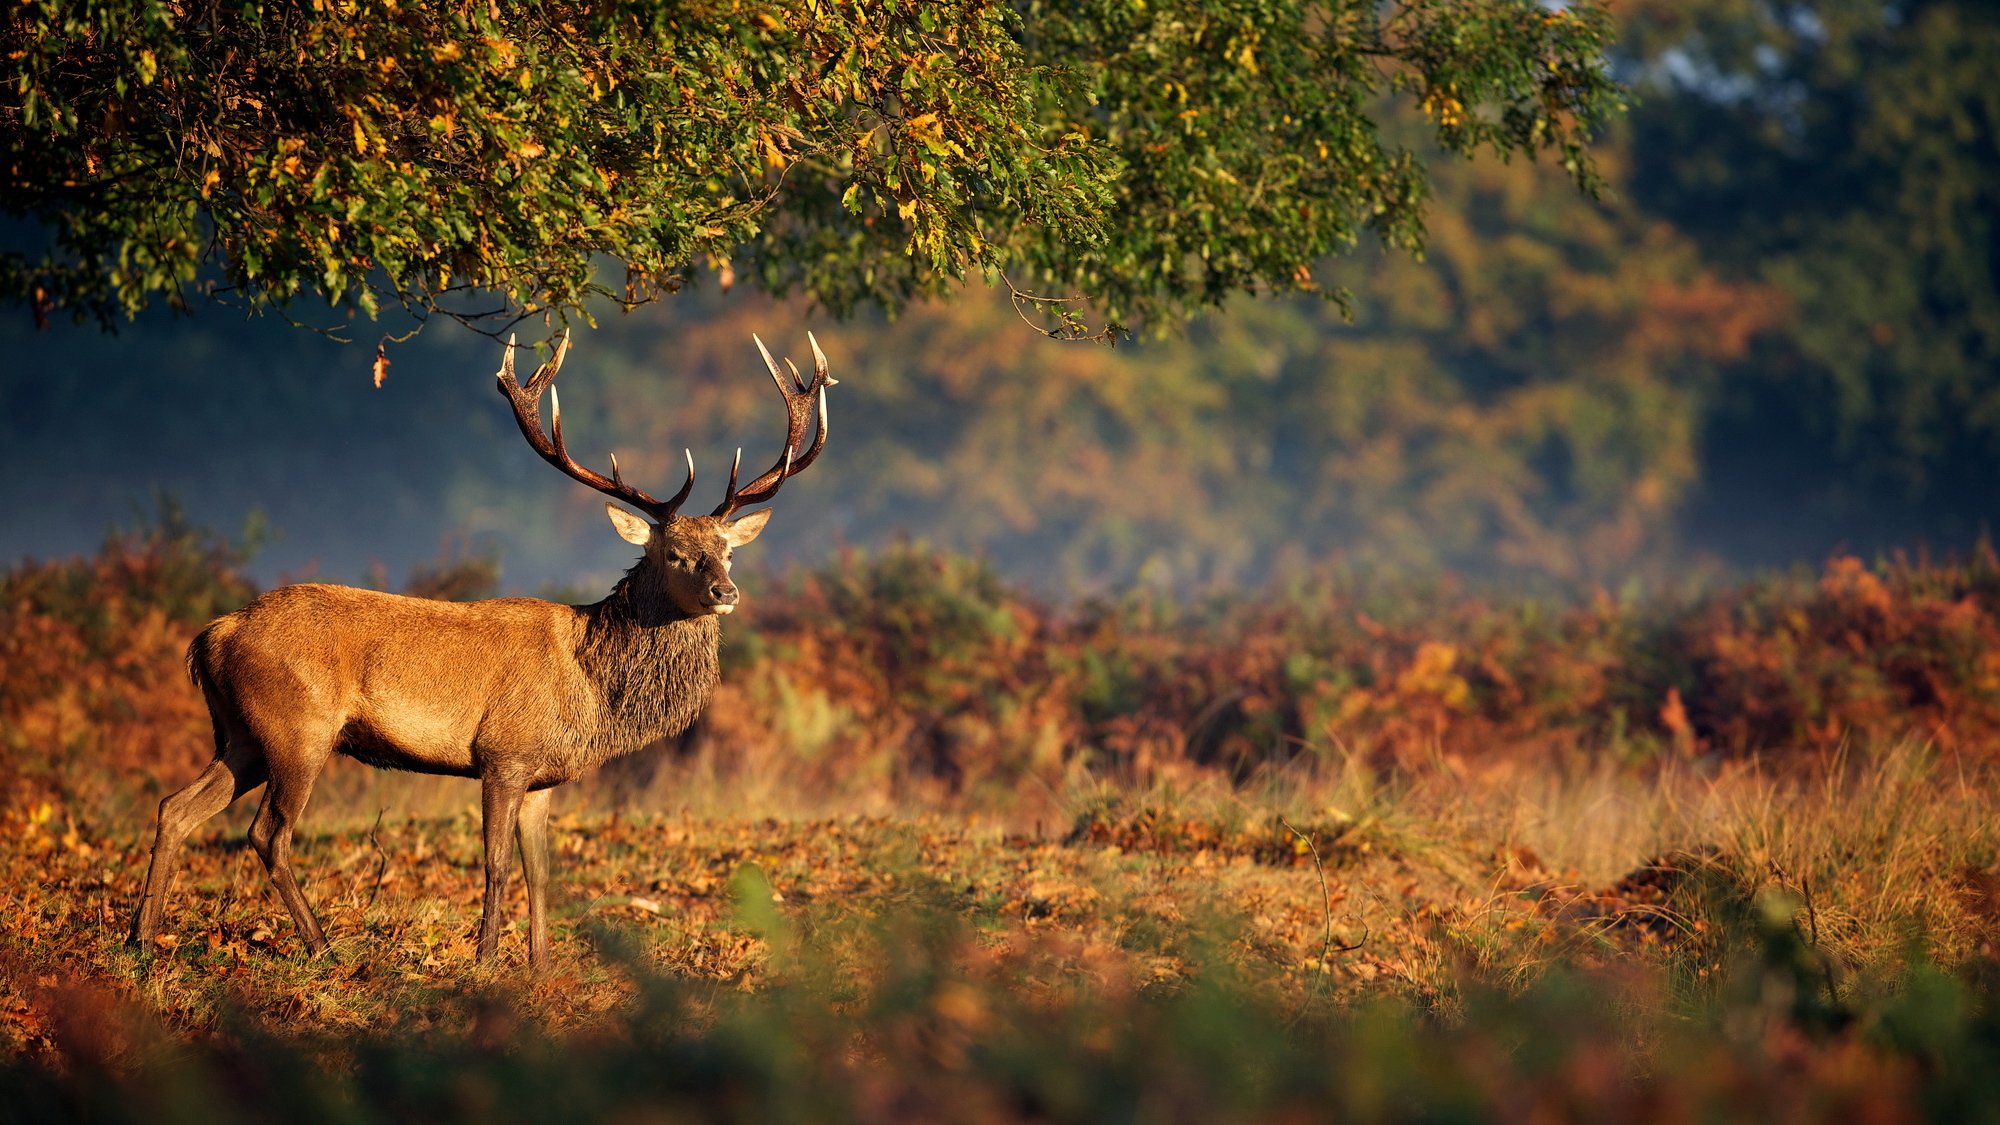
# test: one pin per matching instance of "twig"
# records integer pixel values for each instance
(1327, 947)
(382, 859)
(1819, 951)
(1073, 328)
(1811, 934)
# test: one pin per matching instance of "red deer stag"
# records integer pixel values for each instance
(520, 693)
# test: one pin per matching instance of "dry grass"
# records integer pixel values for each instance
(1888, 850)
(1499, 911)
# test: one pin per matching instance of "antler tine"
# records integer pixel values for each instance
(819, 364)
(545, 375)
(729, 490)
(680, 497)
(555, 423)
(770, 364)
(804, 400)
(526, 401)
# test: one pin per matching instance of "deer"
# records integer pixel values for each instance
(520, 693)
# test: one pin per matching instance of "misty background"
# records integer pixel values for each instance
(1776, 339)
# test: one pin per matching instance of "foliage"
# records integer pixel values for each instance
(1400, 673)
(408, 154)
(1843, 152)
(927, 677)
(168, 566)
(1678, 376)
(93, 652)
(1524, 404)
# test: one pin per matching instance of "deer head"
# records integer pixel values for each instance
(687, 557)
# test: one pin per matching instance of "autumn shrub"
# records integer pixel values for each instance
(94, 698)
(1791, 660)
(948, 676)
(913, 675)
(938, 660)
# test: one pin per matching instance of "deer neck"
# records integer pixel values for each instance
(655, 668)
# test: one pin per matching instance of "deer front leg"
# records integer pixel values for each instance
(500, 799)
(534, 827)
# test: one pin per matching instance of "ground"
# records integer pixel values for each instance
(1791, 918)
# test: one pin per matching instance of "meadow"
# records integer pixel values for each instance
(946, 851)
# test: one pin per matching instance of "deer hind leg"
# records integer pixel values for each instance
(292, 778)
(237, 769)
(534, 831)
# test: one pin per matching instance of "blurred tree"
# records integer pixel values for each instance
(433, 157)
(1846, 152)
(1524, 402)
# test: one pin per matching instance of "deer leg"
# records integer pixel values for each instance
(271, 834)
(501, 804)
(236, 771)
(534, 832)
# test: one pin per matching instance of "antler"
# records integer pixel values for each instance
(800, 395)
(527, 412)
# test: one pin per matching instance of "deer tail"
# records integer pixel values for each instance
(199, 667)
(197, 656)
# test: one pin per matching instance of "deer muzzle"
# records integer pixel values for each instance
(722, 597)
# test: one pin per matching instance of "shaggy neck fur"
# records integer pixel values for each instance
(655, 667)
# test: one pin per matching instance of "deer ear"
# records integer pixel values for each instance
(744, 530)
(631, 528)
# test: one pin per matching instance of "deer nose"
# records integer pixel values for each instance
(722, 593)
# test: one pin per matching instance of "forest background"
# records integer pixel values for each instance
(1771, 340)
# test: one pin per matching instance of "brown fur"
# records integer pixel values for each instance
(520, 693)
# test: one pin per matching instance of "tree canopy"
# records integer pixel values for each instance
(1771, 338)
(1153, 158)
